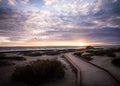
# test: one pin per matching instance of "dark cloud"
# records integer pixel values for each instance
(12, 23)
(110, 35)
(109, 10)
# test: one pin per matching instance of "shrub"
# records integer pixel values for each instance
(116, 62)
(40, 71)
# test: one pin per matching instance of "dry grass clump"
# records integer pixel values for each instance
(12, 58)
(108, 52)
(30, 53)
(116, 62)
(5, 63)
(40, 71)
(86, 57)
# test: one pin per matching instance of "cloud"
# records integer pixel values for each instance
(50, 2)
(106, 35)
(12, 24)
(12, 2)
(92, 21)
(24, 1)
(0, 0)
(17, 2)
(109, 14)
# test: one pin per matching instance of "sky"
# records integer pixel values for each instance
(59, 22)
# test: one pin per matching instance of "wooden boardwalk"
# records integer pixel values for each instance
(90, 75)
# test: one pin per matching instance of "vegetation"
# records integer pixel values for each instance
(2, 55)
(89, 47)
(107, 52)
(12, 58)
(40, 71)
(46, 52)
(5, 63)
(52, 52)
(116, 62)
(30, 53)
(78, 54)
(86, 57)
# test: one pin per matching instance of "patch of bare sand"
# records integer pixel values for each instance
(105, 62)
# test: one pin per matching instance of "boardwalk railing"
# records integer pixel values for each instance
(78, 72)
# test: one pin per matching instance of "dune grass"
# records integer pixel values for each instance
(4, 57)
(116, 62)
(39, 72)
(6, 63)
(46, 52)
(89, 47)
(108, 52)
(52, 52)
(30, 53)
(78, 54)
(12, 58)
(86, 57)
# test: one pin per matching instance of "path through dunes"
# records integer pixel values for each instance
(90, 75)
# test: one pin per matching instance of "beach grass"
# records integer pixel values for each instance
(105, 52)
(86, 57)
(4, 57)
(30, 53)
(45, 52)
(39, 72)
(6, 63)
(116, 62)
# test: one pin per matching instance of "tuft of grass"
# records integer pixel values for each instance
(46, 52)
(108, 52)
(111, 54)
(52, 52)
(30, 53)
(78, 54)
(5, 63)
(86, 57)
(116, 62)
(2, 55)
(39, 72)
(12, 58)
(89, 47)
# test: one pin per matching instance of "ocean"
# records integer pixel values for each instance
(10, 49)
